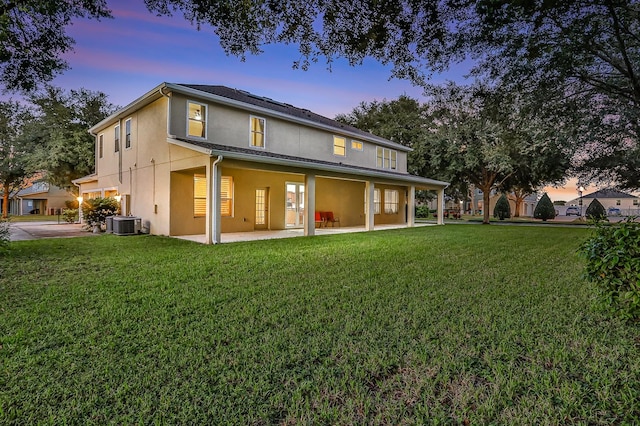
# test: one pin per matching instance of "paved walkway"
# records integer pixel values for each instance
(22, 231)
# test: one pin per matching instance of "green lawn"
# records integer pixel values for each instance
(459, 324)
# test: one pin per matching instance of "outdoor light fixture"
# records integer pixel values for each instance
(118, 198)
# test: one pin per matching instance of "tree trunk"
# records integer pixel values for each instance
(5, 201)
(486, 201)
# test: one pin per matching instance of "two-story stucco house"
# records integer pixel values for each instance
(196, 159)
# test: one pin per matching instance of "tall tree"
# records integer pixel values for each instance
(587, 52)
(59, 131)
(33, 38)
(14, 150)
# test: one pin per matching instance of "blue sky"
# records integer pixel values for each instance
(126, 56)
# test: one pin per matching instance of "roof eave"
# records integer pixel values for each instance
(344, 169)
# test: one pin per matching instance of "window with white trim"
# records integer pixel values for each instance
(386, 158)
(100, 145)
(391, 201)
(127, 133)
(226, 196)
(339, 146)
(356, 145)
(116, 138)
(199, 195)
(258, 127)
(196, 120)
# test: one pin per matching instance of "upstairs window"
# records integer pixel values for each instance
(257, 132)
(116, 138)
(356, 145)
(196, 120)
(100, 145)
(617, 202)
(386, 158)
(635, 202)
(339, 146)
(127, 133)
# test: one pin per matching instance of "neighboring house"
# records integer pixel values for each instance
(628, 204)
(38, 197)
(196, 159)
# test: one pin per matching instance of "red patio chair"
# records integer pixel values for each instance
(319, 219)
(330, 218)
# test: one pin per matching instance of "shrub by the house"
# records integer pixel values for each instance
(544, 209)
(502, 210)
(96, 210)
(613, 264)
(596, 210)
(70, 215)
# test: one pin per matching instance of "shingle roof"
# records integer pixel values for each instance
(284, 108)
(311, 162)
(609, 193)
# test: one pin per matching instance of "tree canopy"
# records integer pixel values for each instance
(33, 38)
(468, 135)
(62, 145)
(14, 150)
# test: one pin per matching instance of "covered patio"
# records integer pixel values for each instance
(234, 237)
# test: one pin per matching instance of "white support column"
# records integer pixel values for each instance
(309, 205)
(369, 218)
(411, 207)
(209, 210)
(440, 210)
(216, 222)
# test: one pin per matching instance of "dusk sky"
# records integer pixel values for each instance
(126, 56)
(135, 51)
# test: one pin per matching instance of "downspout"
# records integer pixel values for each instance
(168, 96)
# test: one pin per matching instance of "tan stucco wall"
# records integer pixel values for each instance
(183, 221)
(342, 197)
(245, 184)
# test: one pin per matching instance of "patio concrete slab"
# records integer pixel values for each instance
(23, 231)
(233, 237)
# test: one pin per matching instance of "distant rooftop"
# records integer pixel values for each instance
(609, 193)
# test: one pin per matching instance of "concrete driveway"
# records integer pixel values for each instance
(22, 231)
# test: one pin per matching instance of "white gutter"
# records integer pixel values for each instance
(168, 96)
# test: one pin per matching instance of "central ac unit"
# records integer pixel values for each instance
(126, 225)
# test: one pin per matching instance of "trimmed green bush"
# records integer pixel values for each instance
(502, 210)
(544, 209)
(613, 264)
(422, 211)
(596, 210)
(70, 215)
